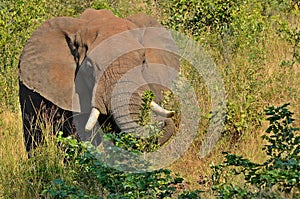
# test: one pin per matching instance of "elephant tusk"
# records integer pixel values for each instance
(92, 119)
(160, 110)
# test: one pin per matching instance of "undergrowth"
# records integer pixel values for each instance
(278, 176)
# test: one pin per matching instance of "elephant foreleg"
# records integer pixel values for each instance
(38, 114)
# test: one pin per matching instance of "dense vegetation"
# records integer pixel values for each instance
(254, 43)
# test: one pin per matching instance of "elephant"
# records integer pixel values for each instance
(71, 74)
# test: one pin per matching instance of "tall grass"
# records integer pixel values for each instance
(20, 177)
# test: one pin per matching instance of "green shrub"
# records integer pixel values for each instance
(279, 173)
(93, 178)
(292, 36)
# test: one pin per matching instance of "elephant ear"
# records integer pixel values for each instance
(161, 52)
(50, 58)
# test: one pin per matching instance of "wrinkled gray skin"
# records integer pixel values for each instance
(68, 66)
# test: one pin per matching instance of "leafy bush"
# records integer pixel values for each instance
(292, 36)
(93, 178)
(279, 173)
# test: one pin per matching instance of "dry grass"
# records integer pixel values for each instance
(12, 151)
(12, 143)
(21, 177)
(278, 85)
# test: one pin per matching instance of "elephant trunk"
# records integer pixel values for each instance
(127, 115)
(92, 119)
(126, 111)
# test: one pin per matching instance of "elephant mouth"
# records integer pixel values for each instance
(93, 118)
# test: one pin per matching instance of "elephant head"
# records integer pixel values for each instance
(101, 64)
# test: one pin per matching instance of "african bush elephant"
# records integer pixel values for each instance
(74, 68)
